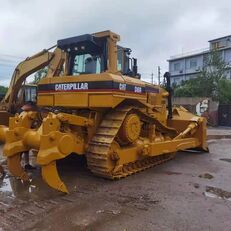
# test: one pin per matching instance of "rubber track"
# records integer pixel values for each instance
(99, 148)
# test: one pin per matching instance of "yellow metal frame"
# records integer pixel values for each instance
(121, 132)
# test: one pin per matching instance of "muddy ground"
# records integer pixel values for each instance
(190, 192)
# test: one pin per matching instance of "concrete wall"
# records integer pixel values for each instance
(227, 56)
(199, 106)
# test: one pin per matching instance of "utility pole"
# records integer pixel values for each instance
(158, 75)
(152, 77)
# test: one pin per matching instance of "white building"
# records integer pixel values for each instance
(188, 65)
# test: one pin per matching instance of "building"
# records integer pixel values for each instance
(185, 66)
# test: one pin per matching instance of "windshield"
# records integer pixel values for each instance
(123, 60)
(30, 94)
(86, 64)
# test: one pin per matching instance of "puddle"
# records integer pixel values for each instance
(206, 176)
(172, 173)
(225, 159)
(5, 185)
(69, 170)
(196, 185)
(114, 212)
(15, 188)
(214, 192)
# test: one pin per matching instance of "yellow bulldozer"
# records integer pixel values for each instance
(95, 104)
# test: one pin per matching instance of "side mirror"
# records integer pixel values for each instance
(134, 67)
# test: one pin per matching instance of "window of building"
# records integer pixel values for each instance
(177, 80)
(193, 63)
(176, 66)
(228, 42)
(216, 45)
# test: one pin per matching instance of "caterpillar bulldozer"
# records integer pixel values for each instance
(96, 105)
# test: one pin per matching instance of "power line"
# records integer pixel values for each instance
(2, 60)
(8, 61)
(12, 56)
(5, 77)
(8, 65)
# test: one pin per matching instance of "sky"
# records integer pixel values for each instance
(154, 30)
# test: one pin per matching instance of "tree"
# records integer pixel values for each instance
(224, 89)
(39, 75)
(3, 90)
(206, 83)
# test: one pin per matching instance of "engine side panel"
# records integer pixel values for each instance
(100, 90)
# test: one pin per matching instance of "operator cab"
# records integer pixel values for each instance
(86, 54)
(27, 93)
(89, 54)
(125, 64)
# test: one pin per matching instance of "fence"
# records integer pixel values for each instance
(224, 115)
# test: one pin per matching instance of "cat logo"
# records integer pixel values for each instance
(122, 86)
(138, 89)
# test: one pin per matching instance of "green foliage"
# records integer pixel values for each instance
(224, 89)
(209, 82)
(3, 90)
(39, 75)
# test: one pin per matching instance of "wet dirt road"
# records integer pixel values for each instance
(190, 192)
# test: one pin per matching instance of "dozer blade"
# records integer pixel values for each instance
(51, 177)
(15, 168)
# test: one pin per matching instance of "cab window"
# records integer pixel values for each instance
(86, 64)
(120, 59)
